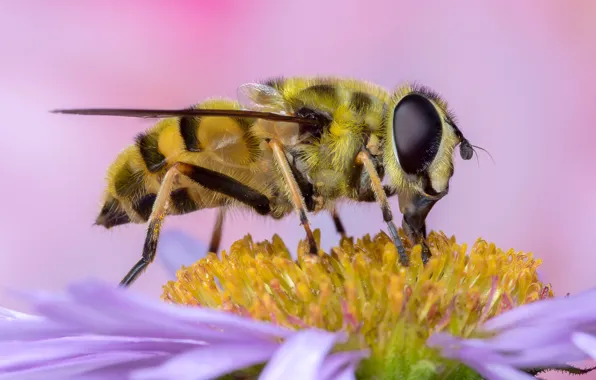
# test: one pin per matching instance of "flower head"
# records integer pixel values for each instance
(353, 313)
(361, 288)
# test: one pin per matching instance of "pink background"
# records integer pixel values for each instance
(519, 75)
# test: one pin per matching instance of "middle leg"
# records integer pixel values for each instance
(217, 231)
(297, 197)
(339, 226)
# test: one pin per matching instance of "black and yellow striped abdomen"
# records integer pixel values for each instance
(221, 144)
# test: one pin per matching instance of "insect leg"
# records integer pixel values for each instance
(207, 178)
(158, 213)
(217, 231)
(297, 197)
(339, 226)
(364, 159)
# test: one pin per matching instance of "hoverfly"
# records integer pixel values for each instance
(287, 145)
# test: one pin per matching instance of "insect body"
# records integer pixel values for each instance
(288, 145)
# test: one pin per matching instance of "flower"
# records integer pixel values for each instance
(361, 288)
(354, 313)
(98, 331)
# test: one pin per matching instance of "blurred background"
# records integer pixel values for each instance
(519, 76)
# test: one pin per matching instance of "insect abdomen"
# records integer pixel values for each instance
(222, 144)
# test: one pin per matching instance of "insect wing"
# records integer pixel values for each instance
(260, 97)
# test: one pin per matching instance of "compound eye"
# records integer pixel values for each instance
(417, 132)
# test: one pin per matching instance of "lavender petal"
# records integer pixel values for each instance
(504, 372)
(33, 330)
(177, 249)
(336, 364)
(101, 309)
(74, 366)
(122, 302)
(551, 355)
(301, 356)
(348, 373)
(528, 337)
(578, 307)
(208, 362)
(586, 342)
(99, 330)
(84, 345)
(11, 315)
(544, 334)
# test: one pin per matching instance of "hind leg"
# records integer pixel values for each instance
(217, 231)
(158, 213)
(339, 226)
(207, 178)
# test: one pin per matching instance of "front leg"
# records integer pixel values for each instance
(364, 159)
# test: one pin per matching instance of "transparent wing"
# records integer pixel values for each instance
(260, 97)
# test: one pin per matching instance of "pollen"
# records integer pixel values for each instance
(360, 287)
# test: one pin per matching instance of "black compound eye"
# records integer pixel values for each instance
(417, 132)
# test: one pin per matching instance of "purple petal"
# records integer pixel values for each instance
(209, 362)
(504, 372)
(74, 366)
(586, 342)
(32, 330)
(177, 249)
(547, 356)
(528, 337)
(488, 364)
(102, 309)
(577, 307)
(348, 373)
(546, 333)
(336, 364)
(10, 315)
(103, 331)
(301, 356)
(82, 345)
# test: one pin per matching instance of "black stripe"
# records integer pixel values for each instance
(111, 215)
(427, 185)
(323, 121)
(244, 123)
(277, 83)
(188, 131)
(128, 182)
(148, 146)
(228, 186)
(144, 206)
(183, 201)
(360, 102)
(321, 90)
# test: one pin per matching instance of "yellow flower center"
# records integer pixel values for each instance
(361, 287)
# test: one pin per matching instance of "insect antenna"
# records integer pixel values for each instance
(485, 151)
